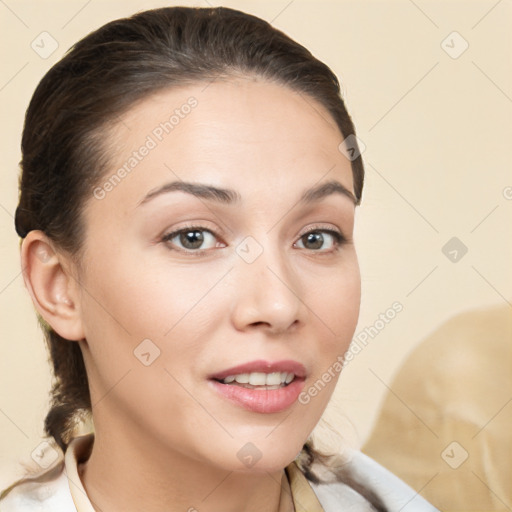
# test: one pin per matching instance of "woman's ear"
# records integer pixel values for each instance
(54, 291)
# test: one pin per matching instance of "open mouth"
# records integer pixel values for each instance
(259, 380)
(261, 386)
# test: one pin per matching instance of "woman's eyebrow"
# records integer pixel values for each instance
(222, 195)
(229, 196)
(326, 189)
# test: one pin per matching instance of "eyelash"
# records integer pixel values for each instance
(338, 239)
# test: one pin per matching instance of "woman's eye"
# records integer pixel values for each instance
(199, 239)
(192, 239)
(321, 240)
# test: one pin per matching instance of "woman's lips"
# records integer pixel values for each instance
(262, 366)
(261, 400)
(256, 398)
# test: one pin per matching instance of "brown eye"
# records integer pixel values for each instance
(191, 239)
(313, 240)
(321, 240)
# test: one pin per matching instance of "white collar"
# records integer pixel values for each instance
(77, 451)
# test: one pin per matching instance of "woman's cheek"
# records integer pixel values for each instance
(338, 300)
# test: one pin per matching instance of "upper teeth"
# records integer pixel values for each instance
(261, 379)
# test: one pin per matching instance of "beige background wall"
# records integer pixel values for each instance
(437, 131)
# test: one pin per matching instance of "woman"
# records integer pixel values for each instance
(189, 184)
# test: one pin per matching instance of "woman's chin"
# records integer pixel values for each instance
(261, 457)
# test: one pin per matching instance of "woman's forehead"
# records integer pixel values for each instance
(248, 110)
(242, 132)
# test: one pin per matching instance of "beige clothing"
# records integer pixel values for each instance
(369, 487)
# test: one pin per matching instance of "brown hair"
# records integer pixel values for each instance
(100, 78)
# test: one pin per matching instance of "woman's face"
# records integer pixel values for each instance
(218, 253)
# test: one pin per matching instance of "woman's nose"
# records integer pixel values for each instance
(267, 291)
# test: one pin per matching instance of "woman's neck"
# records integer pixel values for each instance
(122, 474)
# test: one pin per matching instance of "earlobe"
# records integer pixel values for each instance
(54, 291)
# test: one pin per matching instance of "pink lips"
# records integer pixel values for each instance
(263, 366)
(261, 400)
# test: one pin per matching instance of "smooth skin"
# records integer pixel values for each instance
(164, 439)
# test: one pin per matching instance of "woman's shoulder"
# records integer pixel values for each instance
(45, 492)
(363, 484)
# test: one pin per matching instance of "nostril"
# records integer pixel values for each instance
(260, 323)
